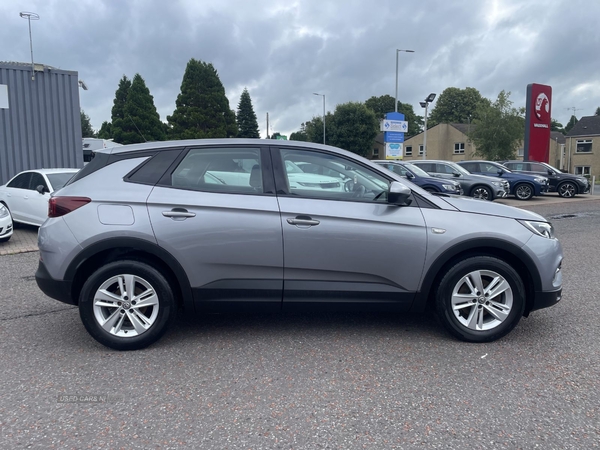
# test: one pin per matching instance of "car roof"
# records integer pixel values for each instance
(156, 145)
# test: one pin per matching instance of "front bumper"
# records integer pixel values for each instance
(545, 300)
(57, 289)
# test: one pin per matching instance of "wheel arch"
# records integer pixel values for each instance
(574, 183)
(478, 185)
(503, 250)
(122, 248)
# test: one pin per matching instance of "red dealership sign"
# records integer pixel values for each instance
(537, 122)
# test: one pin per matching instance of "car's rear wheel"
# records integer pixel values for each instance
(127, 305)
(567, 189)
(523, 191)
(480, 299)
(482, 192)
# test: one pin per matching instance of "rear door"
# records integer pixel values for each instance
(345, 245)
(16, 193)
(216, 212)
(36, 204)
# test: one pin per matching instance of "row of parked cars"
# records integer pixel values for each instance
(489, 180)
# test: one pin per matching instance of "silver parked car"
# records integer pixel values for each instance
(477, 186)
(220, 225)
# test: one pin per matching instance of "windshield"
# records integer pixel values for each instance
(416, 170)
(58, 180)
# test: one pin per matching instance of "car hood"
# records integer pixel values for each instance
(477, 206)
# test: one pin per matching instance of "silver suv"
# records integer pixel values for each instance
(220, 225)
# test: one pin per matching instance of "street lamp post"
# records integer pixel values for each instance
(30, 16)
(396, 101)
(425, 104)
(322, 95)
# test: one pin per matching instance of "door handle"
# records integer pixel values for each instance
(303, 220)
(178, 213)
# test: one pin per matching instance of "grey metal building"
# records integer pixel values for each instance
(40, 122)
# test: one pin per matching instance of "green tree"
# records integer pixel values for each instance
(571, 123)
(140, 122)
(456, 105)
(246, 117)
(498, 129)
(118, 109)
(352, 127)
(555, 125)
(86, 126)
(313, 129)
(597, 113)
(202, 109)
(275, 135)
(299, 135)
(105, 131)
(385, 104)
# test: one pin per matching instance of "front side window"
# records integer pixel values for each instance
(233, 170)
(459, 148)
(489, 168)
(331, 177)
(584, 146)
(21, 181)
(37, 180)
(536, 167)
(400, 170)
(471, 167)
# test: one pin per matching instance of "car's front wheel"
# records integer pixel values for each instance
(523, 191)
(567, 189)
(480, 299)
(482, 192)
(127, 305)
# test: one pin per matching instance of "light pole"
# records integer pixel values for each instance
(398, 51)
(30, 16)
(323, 95)
(425, 104)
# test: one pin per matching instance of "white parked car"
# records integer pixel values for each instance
(26, 195)
(6, 224)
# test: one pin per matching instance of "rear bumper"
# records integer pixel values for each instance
(57, 289)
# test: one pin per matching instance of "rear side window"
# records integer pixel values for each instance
(233, 170)
(152, 170)
(21, 181)
(517, 166)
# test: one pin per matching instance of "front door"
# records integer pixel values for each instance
(343, 243)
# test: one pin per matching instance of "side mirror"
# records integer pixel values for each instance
(40, 188)
(399, 194)
(500, 172)
(550, 172)
(409, 176)
(455, 174)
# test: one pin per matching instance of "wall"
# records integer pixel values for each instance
(42, 126)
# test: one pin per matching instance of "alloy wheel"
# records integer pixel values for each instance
(567, 190)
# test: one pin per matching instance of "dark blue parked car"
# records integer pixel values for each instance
(421, 178)
(522, 186)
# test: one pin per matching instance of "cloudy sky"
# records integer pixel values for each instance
(284, 51)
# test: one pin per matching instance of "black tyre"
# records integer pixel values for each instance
(480, 299)
(567, 189)
(523, 191)
(482, 192)
(127, 305)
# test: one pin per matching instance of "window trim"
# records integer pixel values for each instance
(460, 151)
(584, 141)
(582, 174)
(408, 152)
(421, 149)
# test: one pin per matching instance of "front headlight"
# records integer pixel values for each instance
(497, 183)
(3, 211)
(541, 180)
(450, 187)
(543, 229)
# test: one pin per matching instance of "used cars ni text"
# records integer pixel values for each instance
(220, 225)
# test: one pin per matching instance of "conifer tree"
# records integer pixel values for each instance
(202, 109)
(140, 121)
(246, 118)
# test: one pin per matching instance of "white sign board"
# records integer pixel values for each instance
(3, 96)
(394, 125)
(394, 150)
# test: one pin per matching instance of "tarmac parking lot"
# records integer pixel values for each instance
(307, 380)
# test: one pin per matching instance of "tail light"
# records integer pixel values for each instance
(59, 206)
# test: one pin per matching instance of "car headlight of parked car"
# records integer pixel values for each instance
(541, 180)
(543, 229)
(3, 211)
(451, 187)
(497, 183)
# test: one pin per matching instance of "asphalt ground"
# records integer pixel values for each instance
(310, 380)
